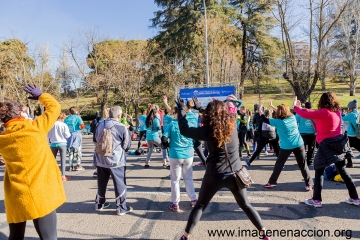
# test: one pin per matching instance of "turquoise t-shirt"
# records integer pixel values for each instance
(167, 119)
(288, 132)
(305, 125)
(193, 119)
(73, 122)
(351, 118)
(153, 133)
(142, 125)
(57, 144)
(180, 147)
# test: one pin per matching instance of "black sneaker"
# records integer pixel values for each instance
(95, 175)
(100, 207)
(349, 165)
(122, 212)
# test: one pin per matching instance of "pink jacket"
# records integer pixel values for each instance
(328, 122)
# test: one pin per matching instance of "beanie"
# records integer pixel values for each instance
(308, 105)
(353, 104)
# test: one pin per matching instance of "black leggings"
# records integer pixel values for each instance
(199, 151)
(319, 181)
(209, 186)
(355, 143)
(45, 227)
(242, 140)
(142, 133)
(261, 144)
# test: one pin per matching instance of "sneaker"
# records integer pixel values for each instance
(269, 185)
(357, 157)
(353, 201)
(145, 145)
(311, 202)
(258, 157)
(247, 163)
(183, 238)
(95, 175)
(271, 150)
(174, 207)
(120, 213)
(166, 165)
(349, 165)
(200, 164)
(71, 168)
(146, 166)
(267, 238)
(79, 168)
(100, 207)
(266, 153)
(193, 202)
(309, 188)
(64, 178)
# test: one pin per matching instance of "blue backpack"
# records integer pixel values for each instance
(330, 172)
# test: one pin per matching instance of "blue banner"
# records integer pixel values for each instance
(205, 95)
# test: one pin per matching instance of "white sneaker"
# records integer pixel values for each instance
(353, 201)
(266, 153)
(312, 202)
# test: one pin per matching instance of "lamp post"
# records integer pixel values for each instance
(206, 48)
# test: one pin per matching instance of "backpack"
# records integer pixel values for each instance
(104, 145)
(268, 131)
(332, 174)
(139, 151)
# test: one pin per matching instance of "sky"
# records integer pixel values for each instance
(56, 21)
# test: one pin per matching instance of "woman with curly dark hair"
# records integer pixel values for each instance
(333, 145)
(218, 130)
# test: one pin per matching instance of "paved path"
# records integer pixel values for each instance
(149, 195)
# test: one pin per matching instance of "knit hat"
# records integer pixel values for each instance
(353, 104)
(308, 105)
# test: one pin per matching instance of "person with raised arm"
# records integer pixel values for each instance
(334, 147)
(290, 142)
(32, 182)
(219, 132)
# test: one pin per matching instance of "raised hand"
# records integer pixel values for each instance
(34, 91)
(295, 102)
(197, 105)
(180, 103)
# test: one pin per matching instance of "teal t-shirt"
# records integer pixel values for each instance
(167, 119)
(288, 132)
(351, 118)
(73, 122)
(180, 147)
(193, 119)
(142, 125)
(153, 133)
(305, 125)
(57, 144)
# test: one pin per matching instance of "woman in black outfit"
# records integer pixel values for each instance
(219, 127)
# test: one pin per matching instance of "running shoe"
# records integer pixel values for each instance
(80, 168)
(200, 164)
(357, 157)
(71, 168)
(64, 178)
(174, 207)
(351, 201)
(166, 165)
(100, 207)
(312, 202)
(266, 153)
(146, 166)
(271, 150)
(269, 185)
(309, 188)
(247, 163)
(121, 212)
(145, 145)
(95, 175)
(193, 202)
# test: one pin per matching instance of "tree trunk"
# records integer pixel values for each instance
(136, 108)
(243, 64)
(323, 84)
(352, 85)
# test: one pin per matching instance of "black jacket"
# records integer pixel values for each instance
(332, 150)
(216, 162)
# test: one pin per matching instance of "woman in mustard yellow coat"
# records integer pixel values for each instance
(32, 182)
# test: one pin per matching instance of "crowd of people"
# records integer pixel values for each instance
(218, 134)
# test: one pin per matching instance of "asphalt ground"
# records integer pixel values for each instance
(280, 208)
